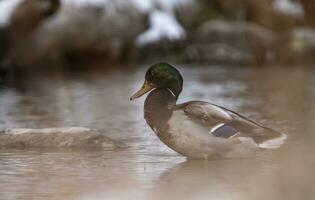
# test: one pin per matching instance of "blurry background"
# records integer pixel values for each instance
(100, 33)
(77, 62)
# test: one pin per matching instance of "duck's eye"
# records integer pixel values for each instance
(150, 76)
(153, 73)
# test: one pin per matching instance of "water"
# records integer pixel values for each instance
(282, 98)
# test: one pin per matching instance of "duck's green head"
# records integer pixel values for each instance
(161, 75)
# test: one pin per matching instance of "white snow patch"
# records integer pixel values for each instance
(143, 5)
(168, 5)
(162, 21)
(86, 2)
(163, 25)
(6, 8)
(289, 7)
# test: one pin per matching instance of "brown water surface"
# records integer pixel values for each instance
(282, 98)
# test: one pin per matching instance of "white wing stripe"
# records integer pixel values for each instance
(216, 127)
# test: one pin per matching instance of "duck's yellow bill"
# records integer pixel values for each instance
(146, 87)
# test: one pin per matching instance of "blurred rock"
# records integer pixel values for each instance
(188, 14)
(27, 16)
(231, 42)
(264, 13)
(3, 45)
(26, 49)
(67, 137)
(309, 9)
(297, 46)
(164, 49)
(70, 38)
(108, 37)
(219, 53)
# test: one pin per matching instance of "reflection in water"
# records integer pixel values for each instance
(147, 169)
(269, 177)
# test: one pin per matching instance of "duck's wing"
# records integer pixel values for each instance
(228, 124)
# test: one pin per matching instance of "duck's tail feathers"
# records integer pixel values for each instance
(273, 143)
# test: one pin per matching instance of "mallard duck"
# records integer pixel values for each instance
(198, 129)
